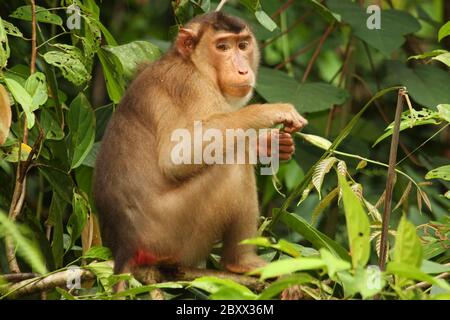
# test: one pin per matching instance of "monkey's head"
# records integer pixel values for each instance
(224, 49)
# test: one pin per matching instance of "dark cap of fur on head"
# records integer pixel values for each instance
(221, 22)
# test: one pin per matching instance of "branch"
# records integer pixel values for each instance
(316, 53)
(391, 179)
(41, 284)
(33, 37)
(424, 284)
(282, 9)
(148, 275)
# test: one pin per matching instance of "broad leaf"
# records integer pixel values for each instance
(408, 249)
(81, 121)
(444, 31)
(439, 173)
(132, 54)
(223, 288)
(70, 65)
(25, 248)
(276, 86)
(358, 226)
(287, 266)
(394, 25)
(42, 15)
(78, 218)
(317, 238)
(4, 46)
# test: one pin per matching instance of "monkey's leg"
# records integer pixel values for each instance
(237, 257)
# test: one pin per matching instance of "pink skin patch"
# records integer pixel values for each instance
(142, 257)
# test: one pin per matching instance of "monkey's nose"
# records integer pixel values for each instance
(243, 72)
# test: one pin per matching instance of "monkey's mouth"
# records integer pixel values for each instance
(242, 85)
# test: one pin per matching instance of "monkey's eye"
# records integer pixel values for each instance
(243, 45)
(222, 46)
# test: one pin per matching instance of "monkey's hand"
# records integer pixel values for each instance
(287, 115)
(286, 145)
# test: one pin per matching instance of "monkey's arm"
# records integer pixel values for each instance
(257, 116)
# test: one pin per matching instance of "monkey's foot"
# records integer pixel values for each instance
(245, 264)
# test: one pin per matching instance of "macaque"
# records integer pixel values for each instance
(156, 212)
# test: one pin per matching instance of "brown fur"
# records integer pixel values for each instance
(177, 212)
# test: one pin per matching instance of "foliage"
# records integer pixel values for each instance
(324, 236)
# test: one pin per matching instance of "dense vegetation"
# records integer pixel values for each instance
(64, 68)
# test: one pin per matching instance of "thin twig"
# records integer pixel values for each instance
(424, 284)
(20, 184)
(298, 53)
(33, 37)
(221, 4)
(282, 9)
(391, 179)
(317, 51)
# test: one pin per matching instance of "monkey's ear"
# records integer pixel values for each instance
(185, 42)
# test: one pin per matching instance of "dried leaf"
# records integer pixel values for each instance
(404, 196)
(5, 115)
(322, 168)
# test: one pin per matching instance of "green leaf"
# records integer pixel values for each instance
(50, 124)
(55, 219)
(317, 238)
(408, 249)
(394, 25)
(358, 226)
(414, 273)
(408, 120)
(112, 70)
(317, 141)
(60, 182)
(70, 65)
(42, 15)
(265, 20)
(325, 12)
(25, 248)
(4, 46)
(22, 97)
(428, 54)
(439, 173)
(36, 86)
(276, 86)
(132, 54)
(444, 58)
(251, 5)
(286, 282)
(78, 218)
(444, 31)
(89, 161)
(333, 264)
(81, 121)
(366, 281)
(282, 245)
(223, 288)
(427, 84)
(294, 173)
(444, 111)
(432, 267)
(287, 266)
(12, 30)
(101, 253)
